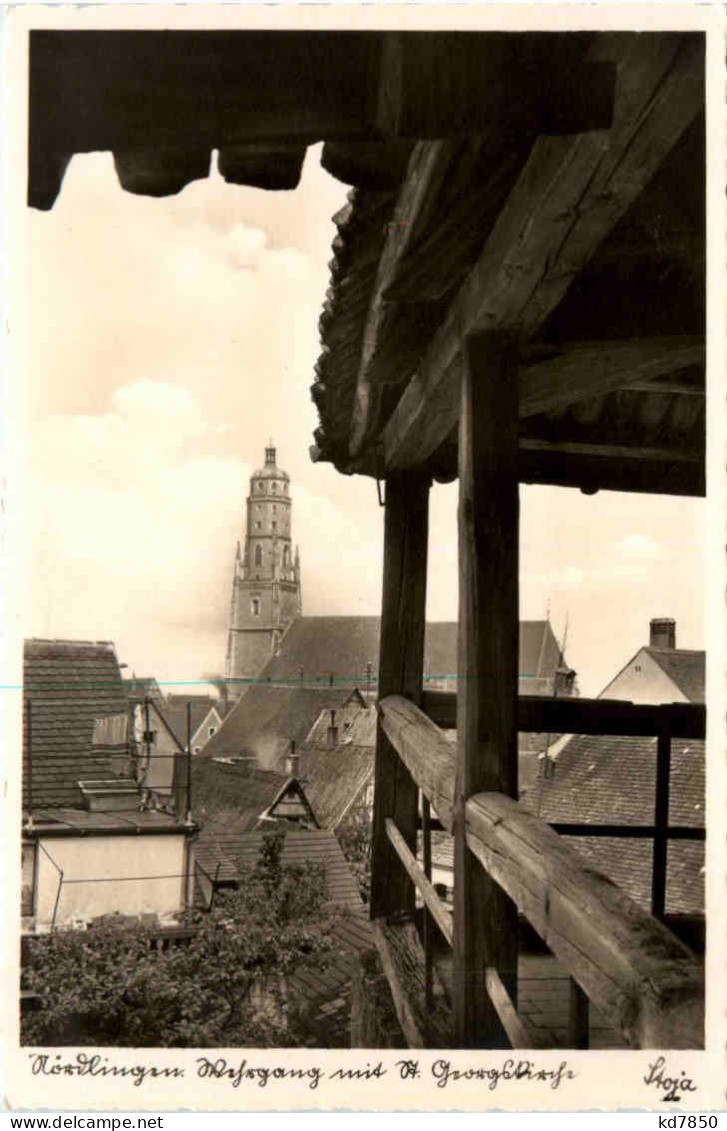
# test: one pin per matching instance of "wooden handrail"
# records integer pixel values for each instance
(631, 967)
(545, 715)
(440, 914)
(425, 752)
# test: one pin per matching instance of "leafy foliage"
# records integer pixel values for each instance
(355, 840)
(111, 985)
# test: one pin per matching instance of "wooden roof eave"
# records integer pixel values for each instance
(661, 95)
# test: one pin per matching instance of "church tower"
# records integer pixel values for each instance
(266, 582)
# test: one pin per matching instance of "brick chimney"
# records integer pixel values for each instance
(292, 761)
(663, 633)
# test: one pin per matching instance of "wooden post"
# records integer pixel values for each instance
(428, 940)
(401, 663)
(485, 920)
(661, 821)
(578, 1011)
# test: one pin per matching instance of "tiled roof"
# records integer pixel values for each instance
(604, 779)
(82, 820)
(343, 646)
(232, 796)
(139, 688)
(685, 667)
(70, 684)
(174, 711)
(324, 989)
(237, 852)
(356, 725)
(268, 716)
(334, 779)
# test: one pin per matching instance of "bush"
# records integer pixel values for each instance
(110, 985)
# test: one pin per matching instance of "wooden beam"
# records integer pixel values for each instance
(578, 1015)
(517, 1032)
(608, 450)
(633, 969)
(591, 471)
(441, 915)
(485, 920)
(424, 750)
(591, 369)
(161, 172)
(570, 195)
(540, 714)
(428, 166)
(434, 85)
(401, 662)
(275, 167)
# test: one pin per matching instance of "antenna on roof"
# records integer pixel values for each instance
(561, 654)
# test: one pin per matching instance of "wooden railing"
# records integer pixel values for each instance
(637, 973)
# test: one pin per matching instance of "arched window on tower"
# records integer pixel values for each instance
(255, 606)
(286, 557)
(258, 555)
(275, 486)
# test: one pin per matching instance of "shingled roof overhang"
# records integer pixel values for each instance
(548, 185)
(588, 249)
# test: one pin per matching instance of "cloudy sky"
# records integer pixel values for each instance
(168, 340)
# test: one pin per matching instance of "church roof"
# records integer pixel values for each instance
(70, 684)
(270, 471)
(314, 648)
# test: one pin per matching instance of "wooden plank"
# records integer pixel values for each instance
(485, 920)
(632, 968)
(517, 1032)
(541, 714)
(439, 912)
(591, 369)
(401, 662)
(402, 958)
(569, 196)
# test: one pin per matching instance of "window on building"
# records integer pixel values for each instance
(27, 889)
(258, 555)
(275, 486)
(258, 525)
(211, 731)
(275, 525)
(286, 556)
(255, 606)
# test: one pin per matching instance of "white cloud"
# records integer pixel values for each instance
(169, 338)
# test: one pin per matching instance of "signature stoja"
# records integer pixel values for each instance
(671, 1084)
